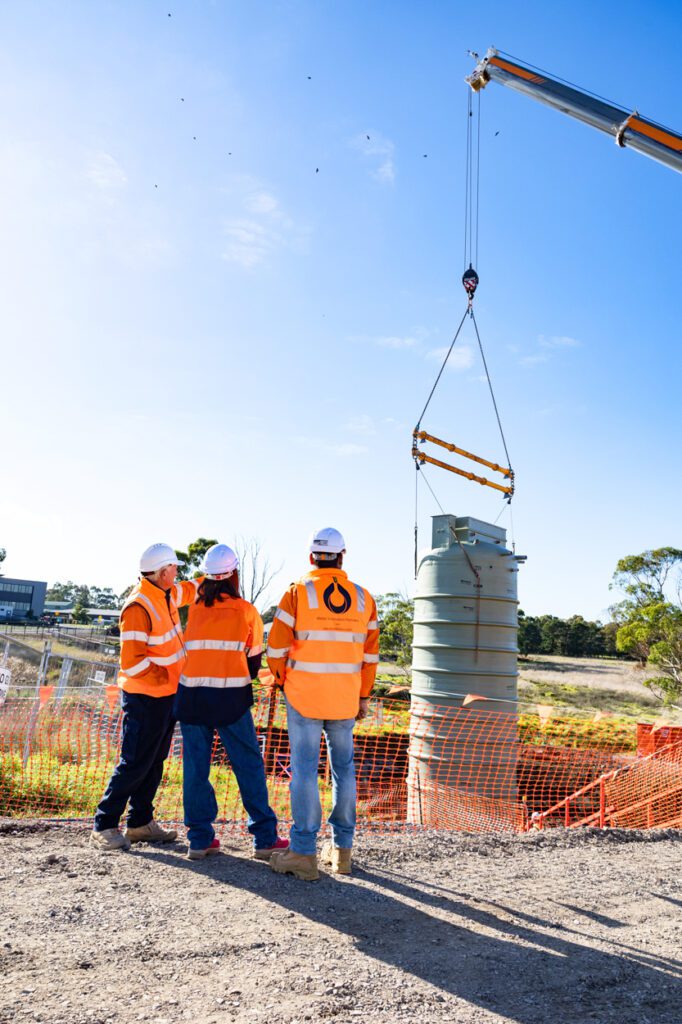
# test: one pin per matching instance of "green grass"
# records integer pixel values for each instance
(590, 699)
(50, 787)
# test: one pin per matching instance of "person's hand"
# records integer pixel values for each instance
(363, 711)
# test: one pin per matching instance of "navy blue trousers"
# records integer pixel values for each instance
(147, 731)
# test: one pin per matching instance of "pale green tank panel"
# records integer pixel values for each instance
(465, 642)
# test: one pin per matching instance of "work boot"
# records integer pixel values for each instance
(338, 858)
(151, 833)
(299, 865)
(109, 839)
(208, 852)
(266, 852)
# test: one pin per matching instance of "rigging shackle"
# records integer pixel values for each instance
(470, 282)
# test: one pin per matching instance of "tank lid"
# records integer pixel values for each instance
(467, 529)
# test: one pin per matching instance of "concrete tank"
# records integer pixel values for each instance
(465, 642)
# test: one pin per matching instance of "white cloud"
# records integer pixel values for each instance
(461, 357)
(540, 357)
(105, 172)
(362, 424)
(343, 450)
(558, 341)
(392, 341)
(248, 242)
(261, 202)
(379, 151)
(259, 227)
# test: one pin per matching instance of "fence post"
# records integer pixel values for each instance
(5, 656)
(602, 804)
(35, 710)
(63, 678)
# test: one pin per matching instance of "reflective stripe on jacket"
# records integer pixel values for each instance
(215, 686)
(152, 651)
(324, 644)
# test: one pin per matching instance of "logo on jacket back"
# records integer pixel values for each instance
(342, 603)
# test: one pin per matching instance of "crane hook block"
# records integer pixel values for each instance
(470, 282)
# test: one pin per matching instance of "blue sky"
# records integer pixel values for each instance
(222, 307)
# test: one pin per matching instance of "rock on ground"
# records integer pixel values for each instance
(560, 926)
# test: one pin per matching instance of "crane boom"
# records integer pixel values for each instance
(628, 128)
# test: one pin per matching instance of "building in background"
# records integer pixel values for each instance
(62, 611)
(21, 599)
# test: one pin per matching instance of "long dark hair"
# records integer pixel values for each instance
(211, 591)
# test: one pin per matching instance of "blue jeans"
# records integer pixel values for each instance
(305, 735)
(146, 735)
(201, 808)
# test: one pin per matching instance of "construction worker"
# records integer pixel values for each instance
(224, 642)
(152, 658)
(323, 649)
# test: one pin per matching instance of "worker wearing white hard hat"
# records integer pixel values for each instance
(323, 650)
(151, 661)
(224, 642)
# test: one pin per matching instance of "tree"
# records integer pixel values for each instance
(103, 597)
(80, 613)
(644, 577)
(189, 562)
(530, 636)
(79, 593)
(396, 614)
(269, 614)
(649, 624)
(3, 556)
(62, 592)
(255, 572)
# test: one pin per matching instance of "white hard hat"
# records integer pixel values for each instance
(327, 541)
(220, 561)
(156, 557)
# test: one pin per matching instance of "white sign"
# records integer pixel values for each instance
(100, 676)
(5, 680)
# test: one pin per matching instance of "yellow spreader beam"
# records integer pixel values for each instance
(421, 457)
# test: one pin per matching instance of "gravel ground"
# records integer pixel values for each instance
(547, 927)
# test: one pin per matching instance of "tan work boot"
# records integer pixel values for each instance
(109, 839)
(299, 865)
(338, 858)
(151, 833)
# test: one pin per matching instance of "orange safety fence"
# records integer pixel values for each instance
(467, 768)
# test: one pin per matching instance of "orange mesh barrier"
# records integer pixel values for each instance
(464, 768)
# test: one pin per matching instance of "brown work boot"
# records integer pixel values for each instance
(151, 833)
(109, 839)
(338, 858)
(299, 865)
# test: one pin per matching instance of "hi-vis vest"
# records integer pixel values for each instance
(324, 664)
(164, 646)
(218, 641)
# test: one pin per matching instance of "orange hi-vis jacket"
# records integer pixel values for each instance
(215, 685)
(152, 651)
(323, 645)
(218, 640)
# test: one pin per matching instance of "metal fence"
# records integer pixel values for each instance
(31, 663)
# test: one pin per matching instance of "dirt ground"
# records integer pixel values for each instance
(556, 926)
